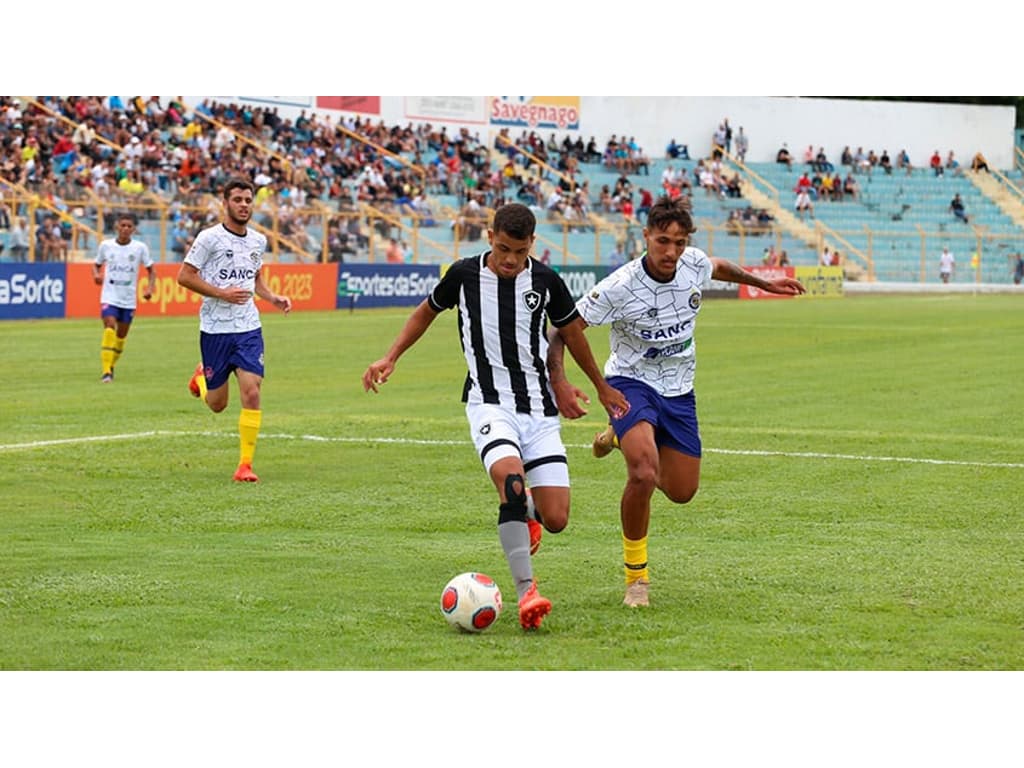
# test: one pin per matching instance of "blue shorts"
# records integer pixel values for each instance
(674, 418)
(224, 352)
(120, 314)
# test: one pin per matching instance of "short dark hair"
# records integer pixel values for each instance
(515, 220)
(128, 215)
(238, 182)
(666, 210)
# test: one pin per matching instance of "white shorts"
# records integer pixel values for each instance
(498, 433)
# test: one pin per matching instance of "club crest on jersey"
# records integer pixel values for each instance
(652, 312)
(694, 301)
(532, 300)
(254, 257)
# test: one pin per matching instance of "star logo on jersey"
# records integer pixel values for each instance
(485, 429)
(694, 301)
(532, 300)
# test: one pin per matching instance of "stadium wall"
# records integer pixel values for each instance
(37, 291)
(768, 121)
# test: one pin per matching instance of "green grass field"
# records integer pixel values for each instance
(860, 503)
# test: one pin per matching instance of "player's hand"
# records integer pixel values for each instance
(283, 303)
(785, 285)
(568, 398)
(614, 401)
(377, 374)
(147, 294)
(236, 295)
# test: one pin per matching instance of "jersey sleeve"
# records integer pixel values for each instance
(598, 307)
(446, 293)
(706, 268)
(197, 254)
(561, 309)
(147, 259)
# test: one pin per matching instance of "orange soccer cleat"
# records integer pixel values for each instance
(244, 474)
(533, 608)
(193, 383)
(536, 531)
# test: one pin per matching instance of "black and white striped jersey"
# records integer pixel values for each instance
(503, 330)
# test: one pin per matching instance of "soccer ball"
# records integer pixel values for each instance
(471, 602)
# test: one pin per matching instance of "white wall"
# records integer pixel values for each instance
(768, 121)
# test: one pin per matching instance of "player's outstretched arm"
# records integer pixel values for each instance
(725, 270)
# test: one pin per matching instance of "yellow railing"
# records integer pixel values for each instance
(239, 135)
(502, 139)
(69, 122)
(765, 186)
(398, 158)
(1008, 183)
(32, 201)
(849, 249)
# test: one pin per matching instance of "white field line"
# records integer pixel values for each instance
(411, 441)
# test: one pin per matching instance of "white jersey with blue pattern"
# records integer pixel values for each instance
(121, 273)
(227, 260)
(651, 334)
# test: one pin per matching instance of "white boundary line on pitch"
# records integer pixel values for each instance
(412, 441)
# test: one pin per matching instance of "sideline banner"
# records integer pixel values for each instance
(310, 286)
(32, 290)
(768, 273)
(821, 282)
(385, 285)
(722, 290)
(580, 280)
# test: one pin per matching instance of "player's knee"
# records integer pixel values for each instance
(214, 403)
(680, 495)
(514, 507)
(555, 520)
(644, 476)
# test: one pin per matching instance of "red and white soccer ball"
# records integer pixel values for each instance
(471, 602)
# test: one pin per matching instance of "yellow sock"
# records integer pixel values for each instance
(118, 349)
(634, 559)
(248, 430)
(201, 383)
(107, 349)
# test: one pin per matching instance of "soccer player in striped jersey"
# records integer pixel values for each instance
(116, 268)
(505, 300)
(652, 304)
(224, 266)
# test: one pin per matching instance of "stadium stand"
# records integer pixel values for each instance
(339, 190)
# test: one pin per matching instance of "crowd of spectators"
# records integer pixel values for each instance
(89, 147)
(749, 221)
(165, 154)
